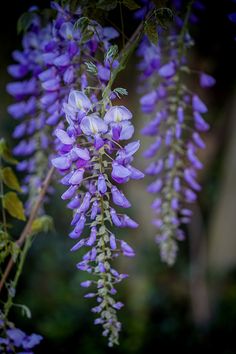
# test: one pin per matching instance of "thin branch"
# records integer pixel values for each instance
(126, 52)
(27, 229)
(14, 283)
(4, 219)
(122, 24)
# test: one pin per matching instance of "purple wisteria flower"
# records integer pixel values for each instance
(14, 340)
(176, 122)
(93, 164)
(45, 74)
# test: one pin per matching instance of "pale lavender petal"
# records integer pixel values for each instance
(82, 153)
(79, 101)
(127, 130)
(61, 162)
(198, 105)
(200, 123)
(119, 198)
(92, 125)
(77, 177)
(102, 186)
(167, 70)
(126, 249)
(113, 242)
(155, 187)
(120, 174)
(206, 80)
(135, 173)
(64, 137)
(117, 114)
(128, 222)
(86, 284)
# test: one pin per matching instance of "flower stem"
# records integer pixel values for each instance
(4, 219)
(122, 24)
(14, 283)
(27, 229)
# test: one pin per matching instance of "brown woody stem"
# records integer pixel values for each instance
(27, 229)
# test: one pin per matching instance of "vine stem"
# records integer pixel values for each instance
(27, 229)
(122, 24)
(23, 255)
(4, 219)
(184, 28)
(126, 52)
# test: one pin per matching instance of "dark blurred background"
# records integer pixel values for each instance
(191, 306)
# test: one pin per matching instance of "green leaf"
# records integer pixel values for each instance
(73, 4)
(42, 224)
(112, 52)
(25, 21)
(87, 36)
(120, 91)
(13, 205)
(14, 250)
(82, 23)
(150, 29)
(164, 16)
(10, 179)
(25, 311)
(91, 68)
(107, 5)
(5, 152)
(131, 4)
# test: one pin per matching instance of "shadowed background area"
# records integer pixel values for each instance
(189, 307)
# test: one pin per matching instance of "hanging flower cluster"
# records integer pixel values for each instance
(56, 61)
(176, 124)
(26, 91)
(94, 164)
(65, 106)
(49, 66)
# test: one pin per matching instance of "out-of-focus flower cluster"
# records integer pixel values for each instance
(176, 124)
(14, 340)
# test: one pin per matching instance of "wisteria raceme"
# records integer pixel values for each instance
(31, 129)
(94, 164)
(14, 340)
(56, 61)
(51, 63)
(176, 125)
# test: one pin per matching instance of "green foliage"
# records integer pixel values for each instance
(73, 5)
(42, 224)
(91, 68)
(150, 29)
(107, 5)
(164, 16)
(160, 17)
(13, 205)
(131, 4)
(112, 52)
(9, 179)
(10, 200)
(119, 91)
(25, 21)
(24, 310)
(87, 35)
(5, 152)
(7, 247)
(82, 23)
